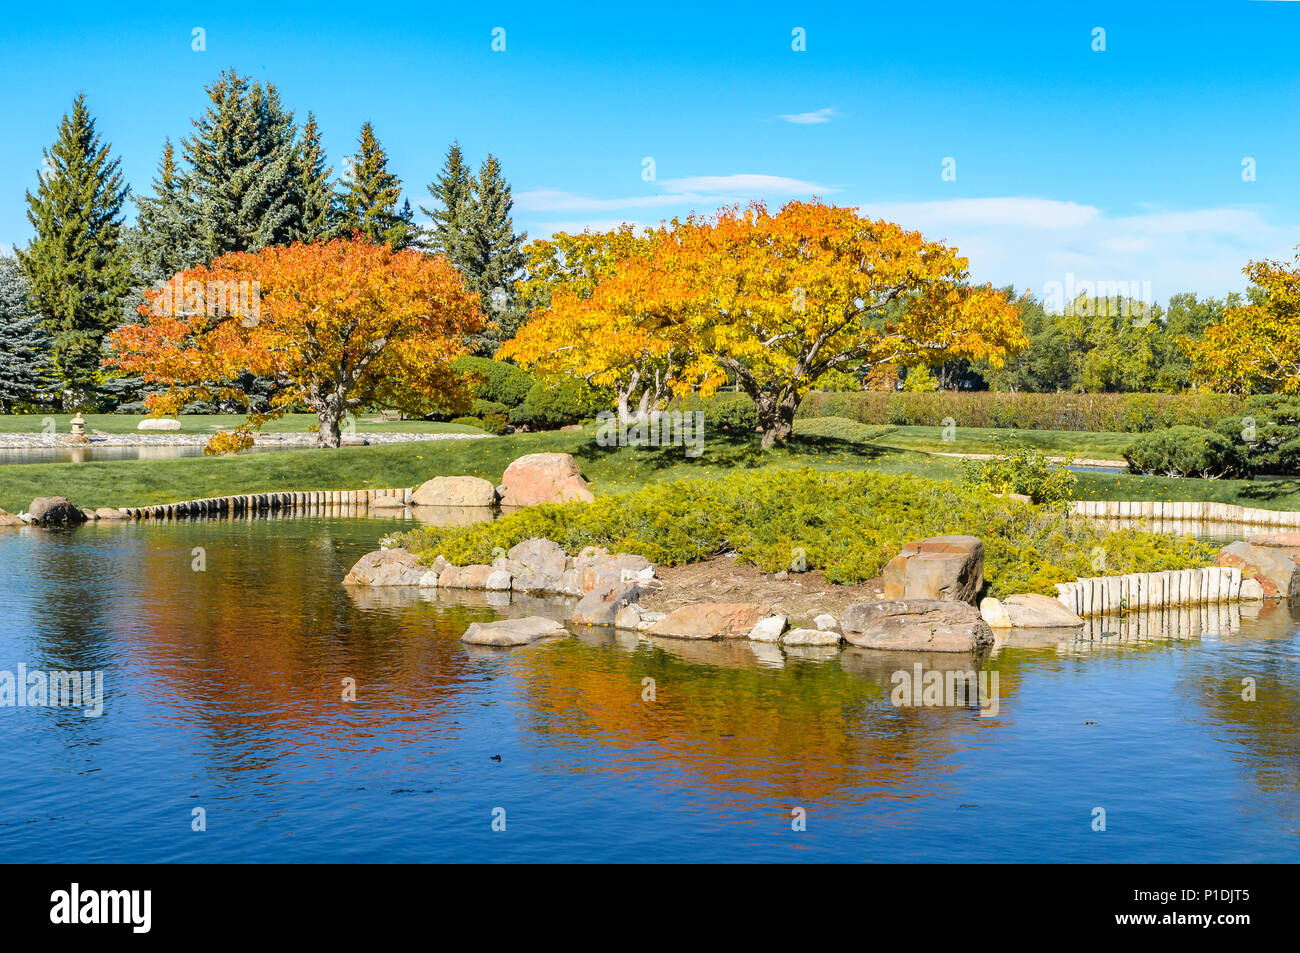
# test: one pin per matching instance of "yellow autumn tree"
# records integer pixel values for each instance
(1255, 348)
(778, 300)
(575, 329)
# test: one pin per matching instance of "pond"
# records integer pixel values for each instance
(99, 454)
(225, 646)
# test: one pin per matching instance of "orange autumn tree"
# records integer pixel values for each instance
(574, 330)
(777, 301)
(336, 326)
(1255, 348)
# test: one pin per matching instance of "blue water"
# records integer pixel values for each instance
(223, 692)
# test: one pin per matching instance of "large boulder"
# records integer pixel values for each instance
(544, 478)
(158, 423)
(51, 510)
(1273, 565)
(1028, 611)
(602, 605)
(946, 568)
(390, 567)
(710, 620)
(512, 631)
(537, 565)
(455, 491)
(921, 625)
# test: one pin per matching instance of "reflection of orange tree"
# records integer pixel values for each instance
(261, 640)
(808, 731)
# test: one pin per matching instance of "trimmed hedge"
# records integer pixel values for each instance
(846, 525)
(1113, 413)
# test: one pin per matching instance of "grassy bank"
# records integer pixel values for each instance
(824, 444)
(846, 525)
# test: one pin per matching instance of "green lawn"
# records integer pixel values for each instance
(824, 444)
(210, 423)
(1083, 444)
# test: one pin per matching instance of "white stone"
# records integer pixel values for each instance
(1251, 590)
(768, 630)
(499, 580)
(158, 423)
(628, 617)
(826, 622)
(810, 637)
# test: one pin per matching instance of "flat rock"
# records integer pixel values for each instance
(8, 519)
(455, 491)
(710, 620)
(387, 503)
(109, 513)
(158, 423)
(544, 478)
(51, 510)
(810, 637)
(512, 631)
(1028, 611)
(922, 625)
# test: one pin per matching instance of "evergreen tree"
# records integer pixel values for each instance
(371, 194)
(454, 192)
(491, 254)
(76, 264)
(26, 374)
(243, 159)
(318, 201)
(165, 237)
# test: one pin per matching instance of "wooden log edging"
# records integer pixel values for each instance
(1189, 510)
(265, 502)
(1106, 595)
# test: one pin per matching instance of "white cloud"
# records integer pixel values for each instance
(1029, 242)
(810, 119)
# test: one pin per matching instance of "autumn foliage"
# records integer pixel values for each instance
(336, 326)
(1255, 348)
(775, 301)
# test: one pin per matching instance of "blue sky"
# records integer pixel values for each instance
(1117, 165)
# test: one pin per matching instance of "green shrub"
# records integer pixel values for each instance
(1022, 470)
(726, 410)
(1112, 413)
(496, 381)
(469, 422)
(483, 408)
(1186, 452)
(557, 403)
(494, 423)
(846, 525)
(1267, 434)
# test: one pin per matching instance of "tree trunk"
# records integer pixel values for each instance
(776, 416)
(330, 417)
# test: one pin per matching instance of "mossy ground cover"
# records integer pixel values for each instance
(824, 444)
(845, 524)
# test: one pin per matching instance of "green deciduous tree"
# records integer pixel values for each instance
(76, 264)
